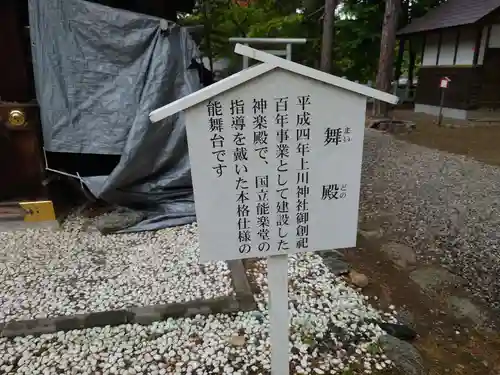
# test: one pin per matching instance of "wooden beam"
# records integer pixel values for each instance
(477, 46)
(457, 44)
(423, 49)
(488, 36)
(440, 41)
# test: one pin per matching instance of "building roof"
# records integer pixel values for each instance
(450, 14)
(270, 62)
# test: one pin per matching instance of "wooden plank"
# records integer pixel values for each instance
(457, 42)
(279, 316)
(440, 42)
(477, 46)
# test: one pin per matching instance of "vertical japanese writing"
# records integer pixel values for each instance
(283, 188)
(216, 126)
(260, 143)
(263, 211)
(260, 134)
(303, 137)
(240, 158)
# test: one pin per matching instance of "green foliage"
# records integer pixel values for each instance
(357, 43)
(374, 348)
(357, 29)
(262, 18)
(289, 26)
(357, 39)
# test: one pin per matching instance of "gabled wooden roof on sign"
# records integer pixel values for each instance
(270, 62)
(450, 14)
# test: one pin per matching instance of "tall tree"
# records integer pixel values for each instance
(327, 40)
(357, 39)
(256, 18)
(387, 47)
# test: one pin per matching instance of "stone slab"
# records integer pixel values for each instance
(334, 260)
(404, 355)
(431, 279)
(463, 308)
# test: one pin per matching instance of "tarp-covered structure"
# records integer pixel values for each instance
(99, 71)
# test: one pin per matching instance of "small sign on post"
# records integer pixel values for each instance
(276, 154)
(443, 84)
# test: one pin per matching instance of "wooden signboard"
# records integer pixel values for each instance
(276, 154)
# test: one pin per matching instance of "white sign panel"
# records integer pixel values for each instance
(444, 82)
(276, 167)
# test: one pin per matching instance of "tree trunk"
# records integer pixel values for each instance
(208, 32)
(327, 41)
(387, 47)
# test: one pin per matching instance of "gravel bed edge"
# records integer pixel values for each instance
(242, 300)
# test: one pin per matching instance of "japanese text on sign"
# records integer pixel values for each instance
(240, 158)
(303, 132)
(283, 188)
(272, 173)
(216, 127)
(263, 208)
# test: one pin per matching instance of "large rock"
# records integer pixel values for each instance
(334, 260)
(358, 279)
(392, 126)
(402, 256)
(405, 356)
(372, 234)
(399, 331)
(119, 219)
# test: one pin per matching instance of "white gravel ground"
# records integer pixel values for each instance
(445, 206)
(329, 335)
(46, 273)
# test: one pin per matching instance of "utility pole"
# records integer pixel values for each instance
(327, 40)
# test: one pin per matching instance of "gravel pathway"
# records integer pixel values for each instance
(46, 273)
(329, 335)
(446, 206)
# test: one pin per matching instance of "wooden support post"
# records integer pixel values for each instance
(457, 43)
(440, 42)
(477, 46)
(422, 52)
(441, 105)
(277, 268)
